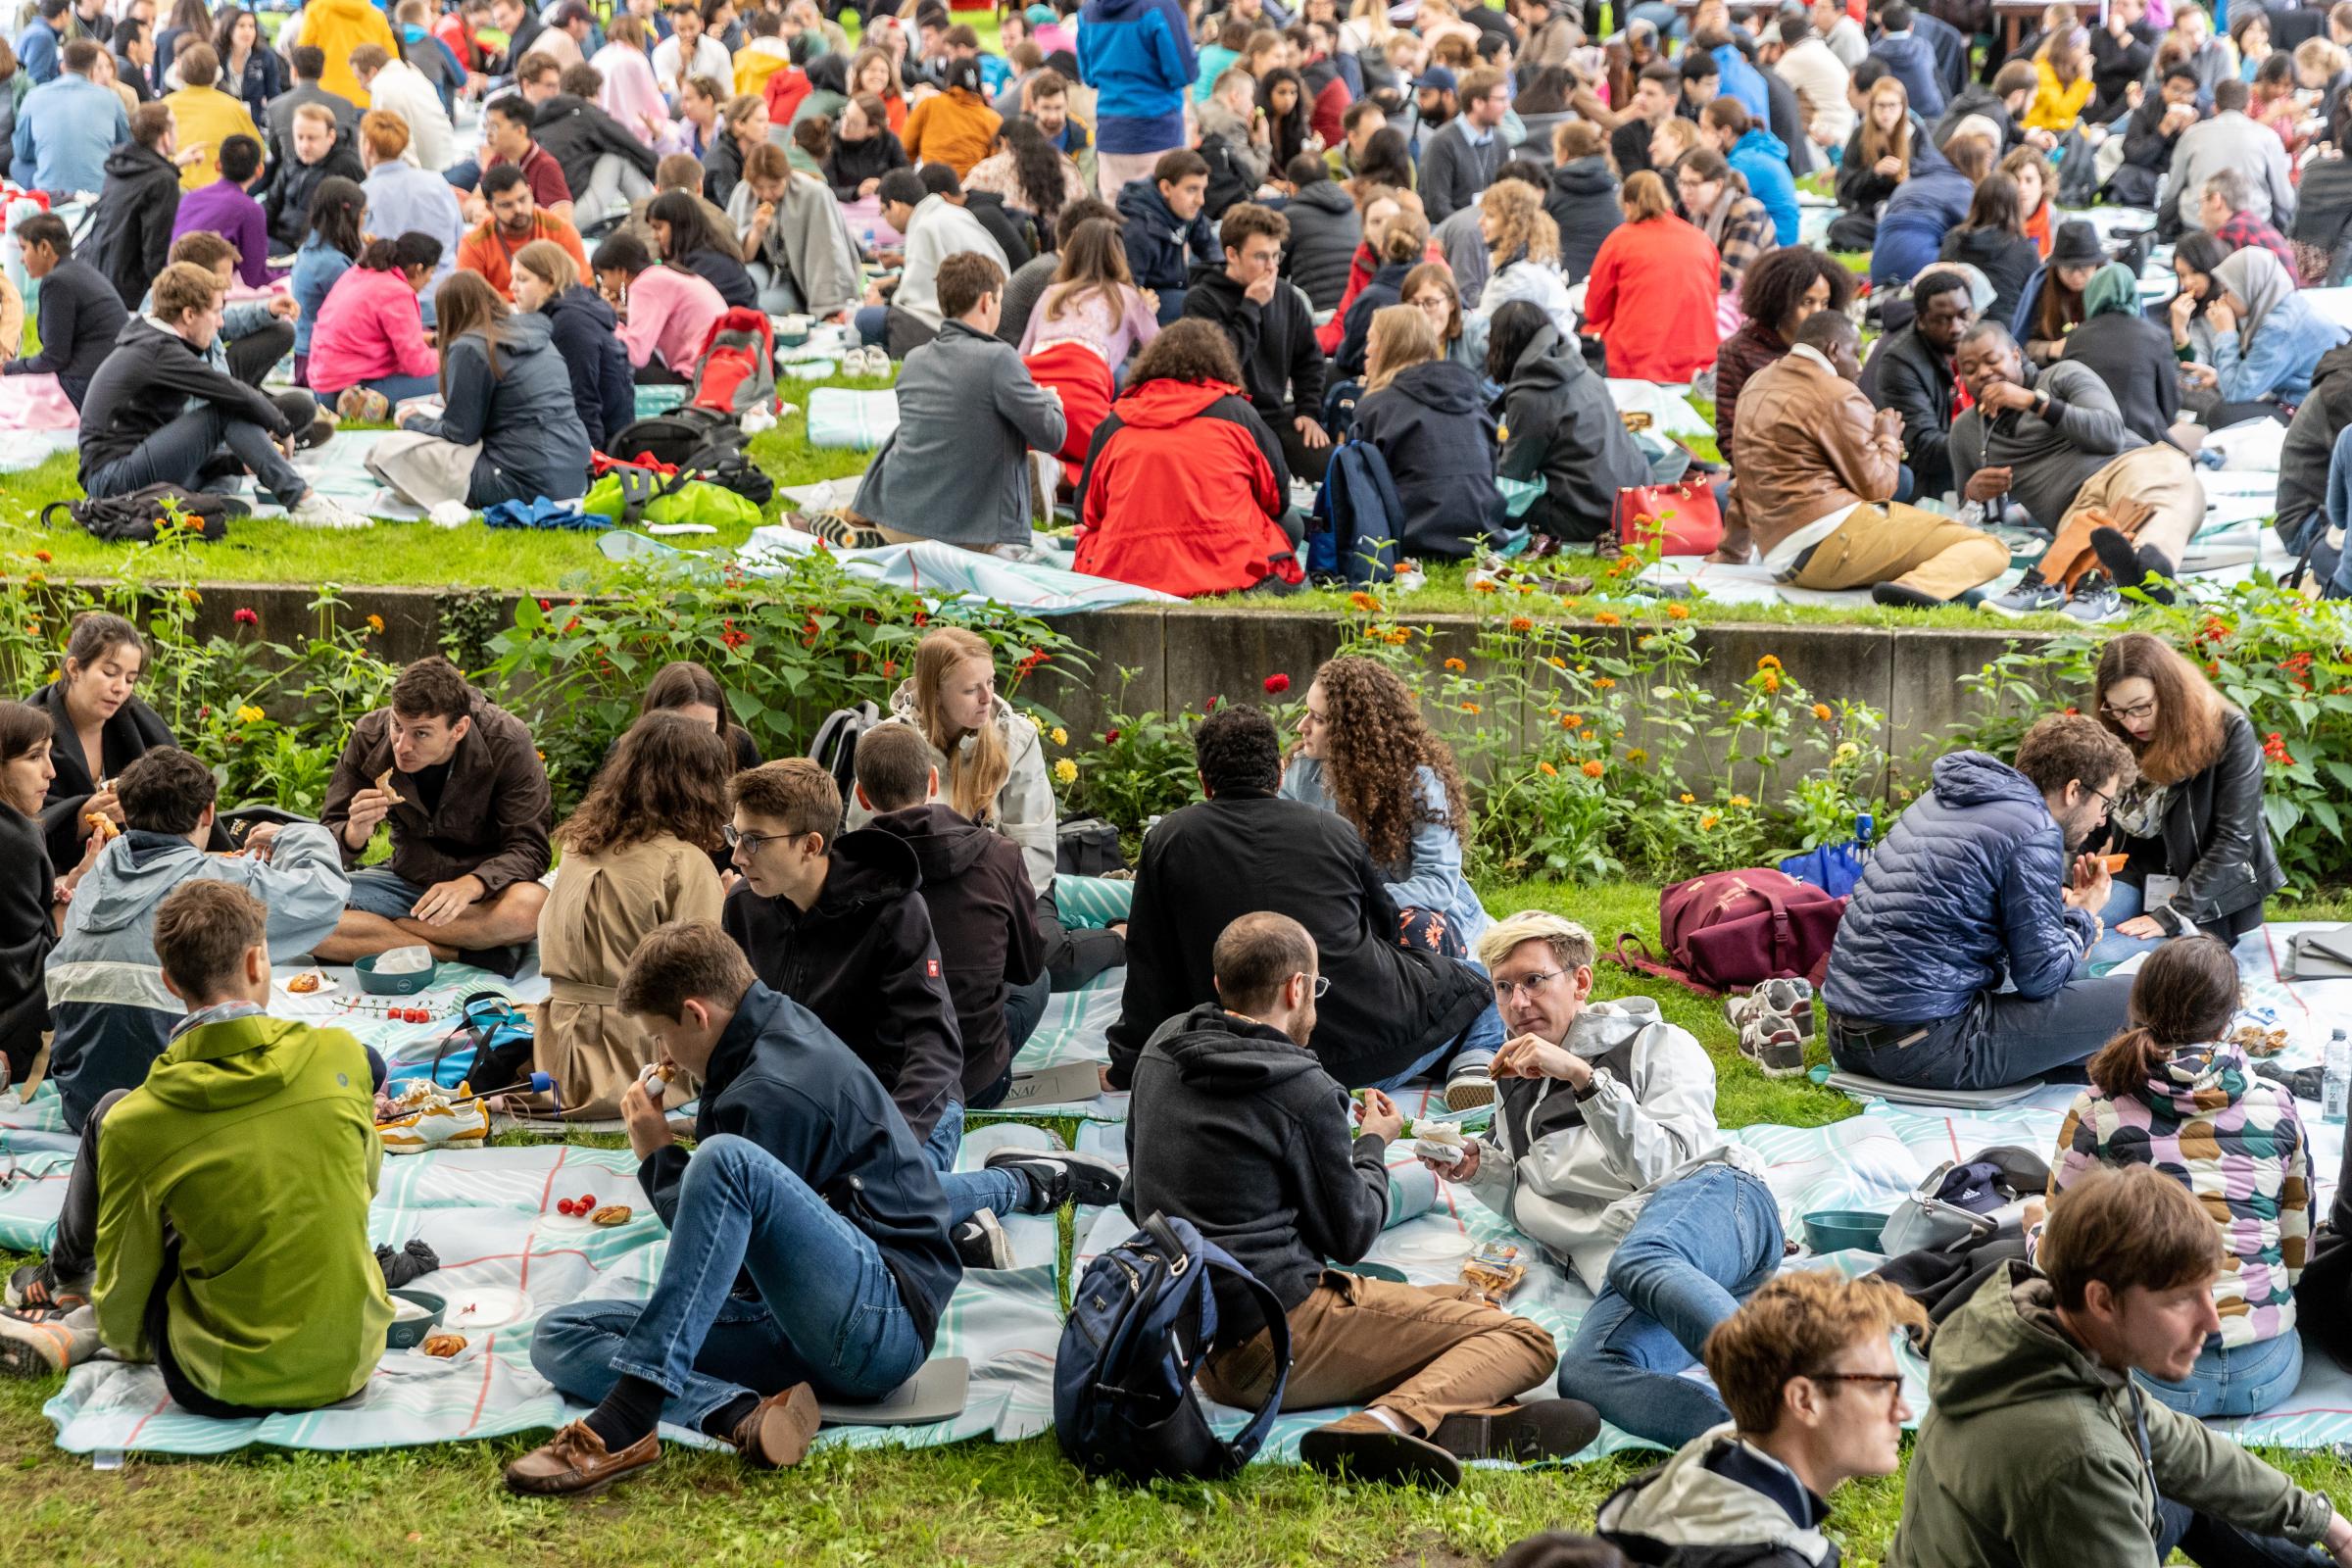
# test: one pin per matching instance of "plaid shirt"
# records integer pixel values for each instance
(2244, 229)
(1748, 233)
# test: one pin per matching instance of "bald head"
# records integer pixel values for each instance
(1256, 959)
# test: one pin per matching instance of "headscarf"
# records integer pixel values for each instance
(2114, 289)
(2261, 280)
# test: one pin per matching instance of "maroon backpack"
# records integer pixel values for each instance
(1739, 928)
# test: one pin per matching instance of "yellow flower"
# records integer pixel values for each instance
(1847, 752)
(1768, 662)
(194, 598)
(1556, 661)
(1678, 612)
(1637, 756)
(1604, 682)
(1457, 666)
(1742, 803)
(375, 623)
(250, 714)
(1608, 617)
(1066, 771)
(1062, 736)
(1706, 823)
(1821, 710)
(1548, 770)
(1593, 770)
(1687, 798)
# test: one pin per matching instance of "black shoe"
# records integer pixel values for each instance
(2153, 563)
(1544, 1429)
(1896, 596)
(1057, 1177)
(981, 1241)
(1365, 1447)
(504, 963)
(2116, 557)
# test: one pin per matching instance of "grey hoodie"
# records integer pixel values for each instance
(1689, 1513)
(106, 990)
(1248, 158)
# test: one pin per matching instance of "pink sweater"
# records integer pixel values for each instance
(671, 313)
(368, 326)
(1089, 321)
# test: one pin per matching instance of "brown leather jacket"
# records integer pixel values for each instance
(1806, 448)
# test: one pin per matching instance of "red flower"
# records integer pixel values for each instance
(922, 619)
(545, 603)
(1209, 706)
(2273, 746)
(1110, 737)
(42, 556)
(1276, 684)
(573, 625)
(246, 618)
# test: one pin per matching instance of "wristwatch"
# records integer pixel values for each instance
(2042, 400)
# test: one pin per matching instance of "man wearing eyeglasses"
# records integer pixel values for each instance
(1604, 1151)
(1272, 328)
(1816, 1396)
(1953, 967)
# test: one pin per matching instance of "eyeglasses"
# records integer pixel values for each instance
(2129, 715)
(2106, 801)
(1505, 990)
(750, 843)
(1891, 1381)
(1322, 984)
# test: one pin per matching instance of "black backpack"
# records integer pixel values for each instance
(707, 442)
(134, 519)
(835, 747)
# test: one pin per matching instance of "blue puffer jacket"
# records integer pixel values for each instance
(1967, 891)
(1763, 158)
(1138, 56)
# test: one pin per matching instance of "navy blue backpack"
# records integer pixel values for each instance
(1142, 1321)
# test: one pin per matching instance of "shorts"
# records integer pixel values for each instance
(379, 890)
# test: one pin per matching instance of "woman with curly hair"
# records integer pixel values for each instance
(1364, 753)
(1522, 253)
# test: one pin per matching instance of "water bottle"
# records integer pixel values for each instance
(2335, 1078)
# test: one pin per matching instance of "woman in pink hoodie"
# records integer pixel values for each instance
(368, 347)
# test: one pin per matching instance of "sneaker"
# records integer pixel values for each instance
(2095, 600)
(1542, 1429)
(1059, 1176)
(2031, 597)
(37, 1286)
(321, 430)
(1774, 1048)
(1895, 596)
(776, 1435)
(1790, 1002)
(42, 1348)
(838, 530)
(364, 403)
(1364, 1448)
(1469, 1090)
(423, 1118)
(981, 1241)
(321, 511)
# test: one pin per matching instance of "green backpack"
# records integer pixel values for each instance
(632, 496)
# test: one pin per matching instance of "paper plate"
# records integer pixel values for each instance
(477, 1311)
(1431, 1248)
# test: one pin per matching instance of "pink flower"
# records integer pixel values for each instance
(246, 618)
(1276, 684)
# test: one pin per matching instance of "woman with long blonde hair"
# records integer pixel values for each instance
(1523, 248)
(1425, 415)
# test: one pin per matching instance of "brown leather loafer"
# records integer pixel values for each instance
(575, 1464)
(776, 1435)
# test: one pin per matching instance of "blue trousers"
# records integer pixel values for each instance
(2124, 901)
(970, 1191)
(828, 1312)
(180, 451)
(2234, 1381)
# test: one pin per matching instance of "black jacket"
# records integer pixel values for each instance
(1913, 379)
(576, 133)
(26, 934)
(286, 199)
(724, 274)
(723, 165)
(1325, 231)
(2006, 260)
(984, 917)
(1241, 1131)
(1386, 288)
(134, 730)
(780, 1080)
(146, 384)
(1211, 863)
(601, 389)
(2213, 838)
(2115, 65)
(1583, 201)
(1275, 342)
(130, 233)
(2144, 142)
(853, 162)
(1228, 185)
(1159, 244)
(2310, 442)
(1629, 144)
(1560, 424)
(1432, 427)
(2134, 357)
(1010, 235)
(80, 320)
(864, 961)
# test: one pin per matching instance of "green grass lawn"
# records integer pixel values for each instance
(979, 1503)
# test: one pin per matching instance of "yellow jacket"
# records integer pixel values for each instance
(209, 116)
(338, 27)
(753, 67)
(2055, 106)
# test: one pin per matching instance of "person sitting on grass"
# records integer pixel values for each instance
(247, 1302)
(2039, 1445)
(255, 334)
(319, 154)
(1952, 966)
(1559, 426)
(516, 220)
(1237, 1129)
(1604, 1151)
(334, 236)
(805, 1177)
(586, 335)
(1816, 1395)
(228, 209)
(685, 236)
(1394, 1012)
(80, 314)
(460, 782)
(1166, 234)
(1272, 330)
(665, 312)
(937, 225)
(157, 413)
(367, 348)
(32, 897)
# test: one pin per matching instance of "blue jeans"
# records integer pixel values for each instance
(2244, 1379)
(377, 890)
(1702, 1245)
(463, 174)
(872, 322)
(2124, 901)
(828, 1311)
(395, 388)
(2211, 1543)
(970, 1191)
(2000, 1038)
(180, 451)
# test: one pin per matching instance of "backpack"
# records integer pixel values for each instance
(1142, 1320)
(835, 747)
(490, 1047)
(1357, 518)
(709, 443)
(134, 517)
(736, 371)
(1739, 928)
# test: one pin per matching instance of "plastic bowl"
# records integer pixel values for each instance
(408, 1332)
(393, 985)
(1838, 1230)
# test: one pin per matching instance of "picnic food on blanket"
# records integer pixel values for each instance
(405, 1310)
(613, 1215)
(2256, 1041)
(1439, 1142)
(1494, 1270)
(576, 1207)
(302, 984)
(443, 1344)
(383, 785)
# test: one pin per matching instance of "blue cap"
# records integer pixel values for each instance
(1437, 78)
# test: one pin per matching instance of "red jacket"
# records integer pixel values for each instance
(1652, 300)
(784, 91)
(1182, 493)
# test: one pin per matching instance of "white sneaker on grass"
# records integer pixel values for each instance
(43, 1346)
(319, 510)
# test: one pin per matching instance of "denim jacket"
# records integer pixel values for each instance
(1432, 877)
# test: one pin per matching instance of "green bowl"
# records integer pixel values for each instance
(1837, 1230)
(393, 985)
(406, 1334)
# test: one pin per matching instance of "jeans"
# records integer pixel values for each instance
(872, 322)
(2211, 1543)
(970, 1191)
(463, 174)
(777, 294)
(380, 890)
(395, 388)
(181, 451)
(1701, 1246)
(2229, 1381)
(2001, 1038)
(2124, 901)
(828, 1311)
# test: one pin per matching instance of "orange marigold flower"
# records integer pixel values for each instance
(1572, 721)
(1522, 623)
(1592, 769)
(1457, 666)
(1472, 708)
(1556, 661)
(1678, 612)
(1548, 770)
(1608, 617)
(1363, 602)
(1821, 710)
(1769, 661)
(1486, 585)
(1523, 589)
(1706, 823)
(1604, 683)
(1772, 682)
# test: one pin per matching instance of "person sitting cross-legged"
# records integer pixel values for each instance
(221, 1204)
(1604, 1151)
(1808, 1370)
(2039, 1445)
(460, 782)
(80, 313)
(1239, 1130)
(805, 1179)
(1951, 967)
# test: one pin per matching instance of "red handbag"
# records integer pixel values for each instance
(1681, 518)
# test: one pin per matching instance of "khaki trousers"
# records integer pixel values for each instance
(1114, 170)
(1422, 1351)
(2158, 477)
(1941, 557)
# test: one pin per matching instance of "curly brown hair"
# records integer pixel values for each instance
(1376, 747)
(669, 775)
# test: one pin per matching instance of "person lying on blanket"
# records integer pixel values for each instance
(806, 1183)
(1604, 1151)
(2039, 1447)
(836, 922)
(1239, 1129)
(1809, 1372)
(248, 1303)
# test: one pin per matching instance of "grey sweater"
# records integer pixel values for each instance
(953, 469)
(2048, 454)
(1453, 170)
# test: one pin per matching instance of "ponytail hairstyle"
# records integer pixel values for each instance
(2185, 995)
(973, 775)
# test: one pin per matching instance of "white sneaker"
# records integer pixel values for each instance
(45, 1346)
(321, 511)
(424, 1119)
